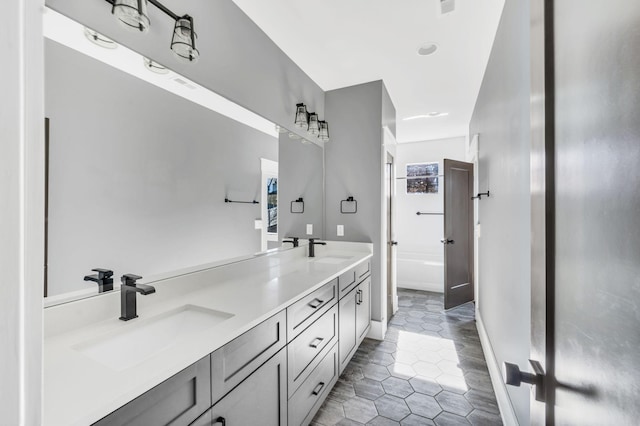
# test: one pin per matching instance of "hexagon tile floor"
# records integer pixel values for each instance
(429, 370)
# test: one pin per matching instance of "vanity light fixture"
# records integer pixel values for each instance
(133, 14)
(302, 117)
(314, 126)
(183, 42)
(324, 131)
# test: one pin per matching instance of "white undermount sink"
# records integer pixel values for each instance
(132, 344)
(332, 260)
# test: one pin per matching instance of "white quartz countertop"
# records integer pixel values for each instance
(79, 390)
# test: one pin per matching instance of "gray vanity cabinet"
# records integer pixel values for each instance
(177, 401)
(355, 314)
(261, 399)
(347, 330)
(363, 309)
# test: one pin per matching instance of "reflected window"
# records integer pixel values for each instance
(272, 205)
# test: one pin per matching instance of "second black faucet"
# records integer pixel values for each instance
(128, 290)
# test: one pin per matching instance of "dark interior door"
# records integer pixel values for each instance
(458, 233)
(586, 211)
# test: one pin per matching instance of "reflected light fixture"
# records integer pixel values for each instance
(324, 131)
(98, 39)
(155, 67)
(314, 126)
(293, 136)
(281, 129)
(133, 14)
(302, 116)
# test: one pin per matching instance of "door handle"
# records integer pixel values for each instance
(514, 377)
(360, 291)
(221, 420)
(446, 241)
(393, 243)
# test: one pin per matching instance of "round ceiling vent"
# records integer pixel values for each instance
(427, 49)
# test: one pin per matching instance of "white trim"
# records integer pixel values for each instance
(22, 224)
(377, 330)
(472, 156)
(495, 372)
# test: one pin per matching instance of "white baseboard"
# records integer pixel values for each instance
(377, 330)
(495, 372)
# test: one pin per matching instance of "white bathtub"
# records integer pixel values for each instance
(421, 271)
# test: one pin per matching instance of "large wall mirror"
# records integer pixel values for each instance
(142, 164)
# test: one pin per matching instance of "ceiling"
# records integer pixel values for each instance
(340, 43)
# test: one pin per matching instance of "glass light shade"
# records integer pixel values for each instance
(324, 131)
(302, 116)
(183, 42)
(314, 127)
(132, 13)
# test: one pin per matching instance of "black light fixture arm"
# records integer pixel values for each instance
(157, 4)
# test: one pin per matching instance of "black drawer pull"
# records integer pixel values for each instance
(220, 420)
(315, 342)
(315, 303)
(318, 389)
(357, 297)
(360, 293)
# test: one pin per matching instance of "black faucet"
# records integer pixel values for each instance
(103, 278)
(312, 244)
(294, 240)
(128, 290)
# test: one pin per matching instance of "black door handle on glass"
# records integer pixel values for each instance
(220, 420)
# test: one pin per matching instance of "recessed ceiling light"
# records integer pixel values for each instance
(153, 66)
(98, 39)
(427, 49)
(433, 114)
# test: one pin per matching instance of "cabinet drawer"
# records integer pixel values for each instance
(363, 269)
(259, 400)
(178, 400)
(346, 282)
(306, 310)
(308, 398)
(236, 360)
(308, 345)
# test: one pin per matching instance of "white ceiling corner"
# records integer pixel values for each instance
(340, 43)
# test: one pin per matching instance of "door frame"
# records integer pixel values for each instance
(542, 181)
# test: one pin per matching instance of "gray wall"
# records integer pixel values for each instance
(354, 168)
(138, 176)
(237, 60)
(501, 118)
(300, 174)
